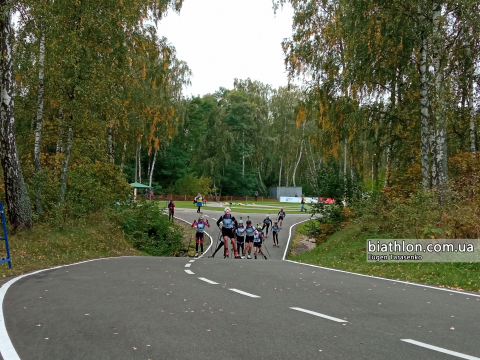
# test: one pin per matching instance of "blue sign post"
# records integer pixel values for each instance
(5, 238)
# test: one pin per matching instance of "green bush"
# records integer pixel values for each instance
(93, 187)
(327, 219)
(147, 229)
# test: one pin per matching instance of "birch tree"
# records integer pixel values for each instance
(18, 201)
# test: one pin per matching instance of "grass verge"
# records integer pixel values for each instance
(259, 208)
(346, 250)
(45, 248)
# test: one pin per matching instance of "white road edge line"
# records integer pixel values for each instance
(7, 350)
(244, 293)
(188, 265)
(439, 349)
(319, 315)
(190, 272)
(370, 276)
(290, 237)
(208, 281)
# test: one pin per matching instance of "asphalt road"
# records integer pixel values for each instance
(178, 308)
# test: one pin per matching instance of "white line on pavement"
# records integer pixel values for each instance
(7, 350)
(190, 272)
(289, 237)
(188, 265)
(208, 281)
(369, 276)
(244, 293)
(319, 315)
(439, 349)
(192, 261)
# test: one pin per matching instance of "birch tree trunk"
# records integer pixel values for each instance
(440, 119)
(393, 97)
(140, 163)
(433, 150)
(38, 132)
(388, 165)
(60, 148)
(261, 182)
(471, 107)
(296, 164)
(152, 167)
(18, 202)
(424, 113)
(65, 164)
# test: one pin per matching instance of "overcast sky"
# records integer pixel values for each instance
(226, 39)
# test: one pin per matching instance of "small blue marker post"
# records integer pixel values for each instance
(5, 238)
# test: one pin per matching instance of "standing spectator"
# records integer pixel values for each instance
(256, 196)
(171, 210)
(303, 204)
(204, 201)
(145, 193)
(151, 194)
(199, 201)
(281, 215)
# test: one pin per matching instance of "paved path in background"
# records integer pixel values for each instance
(180, 308)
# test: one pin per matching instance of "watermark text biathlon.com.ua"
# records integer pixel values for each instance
(423, 250)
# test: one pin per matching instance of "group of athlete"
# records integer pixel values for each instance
(242, 236)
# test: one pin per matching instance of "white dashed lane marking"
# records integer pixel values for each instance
(319, 315)
(244, 293)
(189, 272)
(188, 265)
(439, 349)
(208, 281)
(192, 261)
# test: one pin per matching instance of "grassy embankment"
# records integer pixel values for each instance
(43, 247)
(256, 208)
(346, 250)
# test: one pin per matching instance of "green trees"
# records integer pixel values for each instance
(90, 81)
(392, 83)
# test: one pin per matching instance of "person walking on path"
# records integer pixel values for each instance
(171, 210)
(228, 231)
(257, 241)
(199, 201)
(204, 201)
(200, 224)
(267, 222)
(303, 208)
(275, 231)
(256, 196)
(281, 215)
